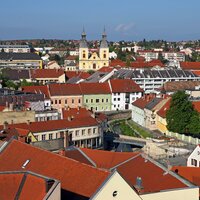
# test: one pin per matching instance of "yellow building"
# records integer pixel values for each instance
(90, 59)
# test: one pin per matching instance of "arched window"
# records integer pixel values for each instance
(94, 65)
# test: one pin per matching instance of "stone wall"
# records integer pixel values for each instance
(17, 117)
(112, 115)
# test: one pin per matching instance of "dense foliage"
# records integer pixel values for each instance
(182, 117)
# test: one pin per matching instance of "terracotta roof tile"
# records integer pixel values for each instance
(107, 159)
(163, 111)
(95, 88)
(47, 73)
(37, 89)
(153, 177)
(64, 89)
(142, 102)
(106, 69)
(192, 174)
(76, 178)
(83, 75)
(190, 65)
(124, 85)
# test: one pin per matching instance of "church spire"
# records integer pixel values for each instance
(83, 41)
(104, 43)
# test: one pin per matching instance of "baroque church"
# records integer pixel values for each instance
(90, 59)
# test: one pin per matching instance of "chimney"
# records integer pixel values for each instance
(62, 152)
(5, 125)
(138, 184)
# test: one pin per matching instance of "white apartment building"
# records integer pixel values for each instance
(151, 80)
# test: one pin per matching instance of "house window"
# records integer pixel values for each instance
(72, 101)
(65, 101)
(107, 100)
(114, 99)
(56, 101)
(79, 100)
(59, 101)
(94, 130)
(84, 55)
(104, 55)
(94, 66)
(97, 100)
(83, 132)
(36, 137)
(102, 100)
(194, 162)
(50, 136)
(77, 133)
(43, 137)
(91, 100)
(89, 131)
(118, 99)
(86, 100)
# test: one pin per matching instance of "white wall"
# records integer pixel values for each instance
(194, 155)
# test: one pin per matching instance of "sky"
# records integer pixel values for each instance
(129, 20)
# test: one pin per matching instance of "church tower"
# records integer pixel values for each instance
(104, 50)
(83, 51)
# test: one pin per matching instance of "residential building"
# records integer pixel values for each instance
(112, 55)
(96, 96)
(93, 60)
(88, 182)
(135, 168)
(124, 92)
(151, 80)
(15, 48)
(148, 54)
(52, 65)
(44, 76)
(20, 60)
(65, 95)
(194, 158)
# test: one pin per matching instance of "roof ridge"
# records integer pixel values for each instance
(87, 157)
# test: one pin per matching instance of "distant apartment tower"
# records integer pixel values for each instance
(93, 59)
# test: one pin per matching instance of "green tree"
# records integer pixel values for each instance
(25, 83)
(180, 113)
(194, 125)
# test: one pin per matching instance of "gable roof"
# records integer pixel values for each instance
(153, 103)
(190, 65)
(64, 89)
(16, 74)
(37, 89)
(95, 88)
(46, 73)
(142, 102)
(163, 110)
(75, 112)
(125, 85)
(76, 179)
(192, 174)
(44, 126)
(19, 56)
(82, 75)
(24, 185)
(154, 178)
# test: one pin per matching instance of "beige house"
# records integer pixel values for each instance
(93, 59)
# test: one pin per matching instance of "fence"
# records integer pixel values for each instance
(184, 138)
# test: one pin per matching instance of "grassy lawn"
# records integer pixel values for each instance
(141, 131)
(125, 129)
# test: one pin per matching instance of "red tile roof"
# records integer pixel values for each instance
(37, 89)
(47, 73)
(2, 108)
(124, 85)
(95, 88)
(143, 101)
(34, 187)
(153, 177)
(76, 178)
(44, 126)
(142, 64)
(163, 111)
(192, 174)
(75, 112)
(106, 69)
(190, 65)
(83, 75)
(197, 72)
(196, 105)
(71, 57)
(64, 89)
(107, 159)
(117, 62)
